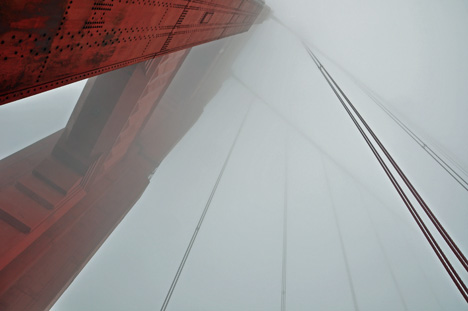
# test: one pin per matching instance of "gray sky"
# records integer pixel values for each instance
(412, 54)
(27, 120)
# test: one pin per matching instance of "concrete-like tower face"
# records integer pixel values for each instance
(49, 43)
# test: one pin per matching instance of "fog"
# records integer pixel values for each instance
(351, 243)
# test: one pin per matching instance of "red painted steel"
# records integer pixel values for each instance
(62, 196)
(47, 200)
(77, 199)
(45, 44)
(93, 142)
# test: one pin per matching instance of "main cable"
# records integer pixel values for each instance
(432, 153)
(453, 246)
(301, 133)
(433, 243)
(446, 166)
(202, 217)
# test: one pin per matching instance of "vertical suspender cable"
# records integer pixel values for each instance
(202, 217)
(384, 252)
(453, 246)
(446, 166)
(458, 253)
(285, 224)
(435, 246)
(340, 236)
(433, 154)
(288, 121)
(457, 177)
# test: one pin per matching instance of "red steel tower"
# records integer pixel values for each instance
(63, 195)
(45, 44)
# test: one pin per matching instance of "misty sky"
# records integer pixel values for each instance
(412, 54)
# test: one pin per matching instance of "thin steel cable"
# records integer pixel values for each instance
(448, 239)
(384, 252)
(432, 153)
(433, 243)
(202, 217)
(446, 166)
(453, 274)
(340, 236)
(301, 133)
(285, 224)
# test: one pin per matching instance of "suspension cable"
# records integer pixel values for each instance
(453, 246)
(301, 133)
(432, 153)
(435, 246)
(285, 223)
(202, 217)
(382, 248)
(446, 166)
(340, 236)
